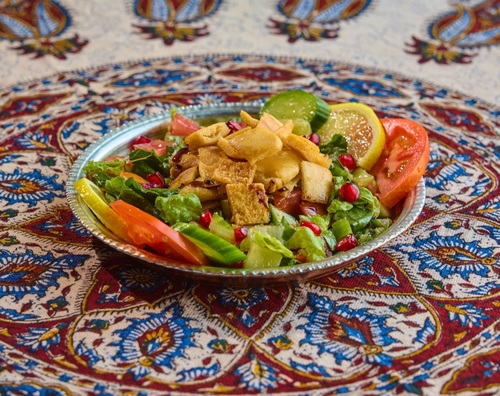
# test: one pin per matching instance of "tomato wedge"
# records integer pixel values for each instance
(403, 161)
(157, 145)
(145, 229)
(182, 125)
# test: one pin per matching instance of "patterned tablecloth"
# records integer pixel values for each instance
(418, 316)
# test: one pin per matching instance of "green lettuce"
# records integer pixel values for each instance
(363, 210)
(132, 192)
(179, 208)
(304, 239)
(269, 242)
(100, 172)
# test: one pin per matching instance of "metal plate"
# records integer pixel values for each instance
(117, 143)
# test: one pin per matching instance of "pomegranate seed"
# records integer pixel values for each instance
(206, 218)
(238, 264)
(240, 234)
(176, 158)
(348, 161)
(312, 226)
(141, 140)
(347, 243)
(349, 191)
(156, 179)
(314, 137)
(233, 125)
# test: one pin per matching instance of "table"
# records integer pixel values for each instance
(418, 316)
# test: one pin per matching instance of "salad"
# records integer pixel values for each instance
(289, 185)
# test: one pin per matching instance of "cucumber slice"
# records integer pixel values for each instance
(215, 248)
(298, 104)
(221, 228)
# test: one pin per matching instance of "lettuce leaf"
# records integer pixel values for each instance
(179, 208)
(133, 193)
(146, 162)
(305, 240)
(269, 242)
(101, 171)
(363, 210)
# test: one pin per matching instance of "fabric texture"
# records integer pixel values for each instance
(418, 316)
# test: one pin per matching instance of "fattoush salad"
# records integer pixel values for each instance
(298, 182)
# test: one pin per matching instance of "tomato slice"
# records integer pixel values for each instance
(182, 125)
(157, 145)
(403, 161)
(145, 229)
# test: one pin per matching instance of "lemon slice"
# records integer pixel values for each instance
(362, 129)
(95, 200)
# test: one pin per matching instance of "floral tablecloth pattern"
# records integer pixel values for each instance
(418, 316)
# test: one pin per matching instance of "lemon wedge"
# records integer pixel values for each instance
(362, 129)
(95, 200)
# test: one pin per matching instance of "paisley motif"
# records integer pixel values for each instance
(314, 20)
(171, 20)
(36, 26)
(455, 35)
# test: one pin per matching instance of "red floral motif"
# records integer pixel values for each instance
(54, 226)
(459, 118)
(29, 105)
(261, 74)
(478, 370)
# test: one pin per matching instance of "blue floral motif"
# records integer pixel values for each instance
(88, 355)
(311, 368)
(491, 209)
(9, 158)
(258, 376)
(243, 300)
(34, 141)
(364, 87)
(345, 333)
(450, 255)
(104, 125)
(137, 277)
(358, 268)
(467, 314)
(388, 280)
(26, 273)
(209, 98)
(453, 171)
(12, 314)
(155, 342)
(31, 187)
(68, 130)
(199, 372)
(427, 331)
(42, 337)
(27, 389)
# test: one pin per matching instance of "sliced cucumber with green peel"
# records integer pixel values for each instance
(298, 104)
(215, 248)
